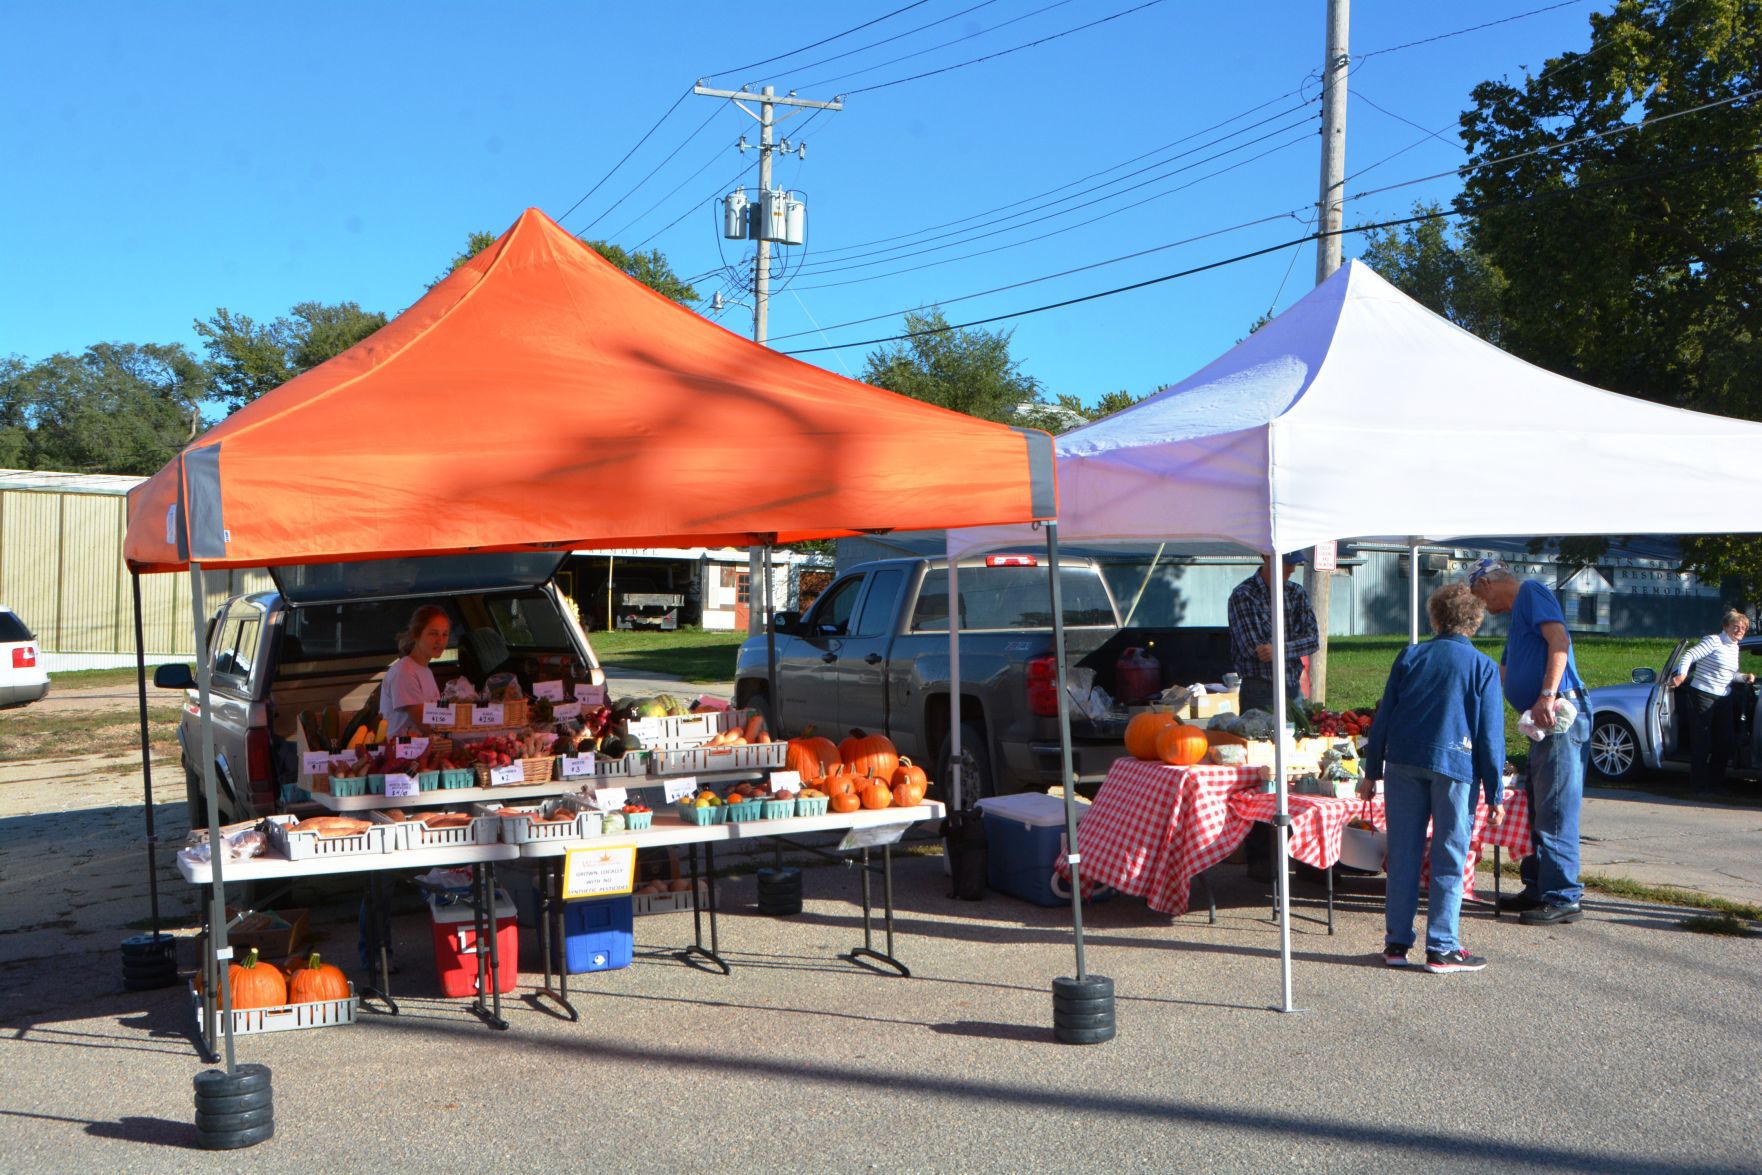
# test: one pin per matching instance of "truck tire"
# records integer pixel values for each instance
(978, 781)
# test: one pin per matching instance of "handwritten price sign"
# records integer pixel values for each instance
(487, 716)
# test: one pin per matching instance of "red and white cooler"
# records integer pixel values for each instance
(455, 947)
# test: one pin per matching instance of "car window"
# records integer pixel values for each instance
(244, 651)
(14, 629)
(1013, 597)
(878, 603)
(355, 629)
(220, 657)
(529, 622)
(832, 614)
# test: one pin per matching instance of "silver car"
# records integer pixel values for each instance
(1638, 725)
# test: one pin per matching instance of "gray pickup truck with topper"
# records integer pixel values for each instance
(327, 635)
(872, 654)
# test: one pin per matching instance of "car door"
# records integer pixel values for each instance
(807, 665)
(1661, 712)
(861, 668)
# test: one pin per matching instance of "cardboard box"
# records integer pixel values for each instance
(1205, 705)
(276, 934)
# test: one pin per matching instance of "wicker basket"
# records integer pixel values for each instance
(534, 769)
(513, 714)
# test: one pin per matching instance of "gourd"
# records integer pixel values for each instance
(876, 795)
(256, 985)
(869, 754)
(1181, 746)
(844, 802)
(910, 772)
(1142, 731)
(907, 795)
(312, 981)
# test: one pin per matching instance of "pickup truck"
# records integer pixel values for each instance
(873, 655)
(327, 635)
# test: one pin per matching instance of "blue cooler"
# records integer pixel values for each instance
(597, 934)
(1024, 837)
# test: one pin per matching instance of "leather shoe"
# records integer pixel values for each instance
(1517, 903)
(1547, 915)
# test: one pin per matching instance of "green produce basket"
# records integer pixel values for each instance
(692, 814)
(811, 805)
(779, 809)
(747, 810)
(637, 821)
(428, 780)
(458, 777)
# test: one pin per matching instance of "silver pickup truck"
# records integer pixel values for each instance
(873, 655)
(327, 635)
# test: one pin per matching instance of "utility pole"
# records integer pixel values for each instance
(1328, 221)
(758, 567)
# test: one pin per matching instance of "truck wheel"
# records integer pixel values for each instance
(978, 782)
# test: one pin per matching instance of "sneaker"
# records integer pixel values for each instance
(1394, 955)
(1456, 960)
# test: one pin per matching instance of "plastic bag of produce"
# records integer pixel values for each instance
(502, 687)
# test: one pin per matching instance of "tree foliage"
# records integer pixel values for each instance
(115, 408)
(1441, 270)
(966, 371)
(246, 359)
(651, 268)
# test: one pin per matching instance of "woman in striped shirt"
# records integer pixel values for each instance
(1715, 666)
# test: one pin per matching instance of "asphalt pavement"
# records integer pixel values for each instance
(1622, 1043)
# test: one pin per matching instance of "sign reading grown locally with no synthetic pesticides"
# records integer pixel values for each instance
(599, 872)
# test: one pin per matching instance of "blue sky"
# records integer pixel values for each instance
(167, 159)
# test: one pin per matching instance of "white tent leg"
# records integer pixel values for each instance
(217, 900)
(1413, 591)
(1282, 819)
(954, 686)
(1068, 773)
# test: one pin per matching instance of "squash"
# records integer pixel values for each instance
(811, 757)
(844, 802)
(1141, 734)
(875, 794)
(837, 782)
(1181, 746)
(869, 754)
(908, 795)
(312, 981)
(909, 772)
(255, 984)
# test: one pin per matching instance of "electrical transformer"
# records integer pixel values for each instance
(734, 215)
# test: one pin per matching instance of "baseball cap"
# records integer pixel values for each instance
(1485, 567)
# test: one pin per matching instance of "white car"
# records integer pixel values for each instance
(22, 680)
(1640, 724)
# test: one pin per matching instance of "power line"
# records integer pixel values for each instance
(657, 167)
(708, 163)
(627, 155)
(1471, 29)
(824, 41)
(1575, 189)
(689, 211)
(942, 44)
(897, 37)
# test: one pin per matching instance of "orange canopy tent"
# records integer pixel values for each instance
(539, 398)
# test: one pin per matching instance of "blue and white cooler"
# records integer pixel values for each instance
(1024, 839)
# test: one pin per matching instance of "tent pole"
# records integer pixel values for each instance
(1282, 819)
(954, 686)
(770, 647)
(1143, 584)
(217, 900)
(1067, 774)
(146, 756)
(1413, 591)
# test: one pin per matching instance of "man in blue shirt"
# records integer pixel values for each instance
(1539, 673)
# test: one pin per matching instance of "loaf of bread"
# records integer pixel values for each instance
(332, 826)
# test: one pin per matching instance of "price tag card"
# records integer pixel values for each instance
(433, 715)
(564, 710)
(871, 837)
(315, 763)
(591, 695)
(575, 766)
(548, 689)
(679, 787)
(609, 799)
(502, 776)
(402, 785)
(412, 748)
(781, 780)
(598, 872)
(347, 756)
(487, 715)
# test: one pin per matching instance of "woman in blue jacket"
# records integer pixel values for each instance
(1439, 728)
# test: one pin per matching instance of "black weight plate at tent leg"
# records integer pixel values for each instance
(1081, 1007)
(1088, 988)
(145, 944)
(238, 1103)
(230, 1140)
(246, 1078)
(1082, 1035)
(226, 1123)
(1092, 1020)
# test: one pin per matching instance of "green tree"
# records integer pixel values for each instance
(115, 408)
(1440, 270)
(246, 359)
(968, 371)
(650, 268)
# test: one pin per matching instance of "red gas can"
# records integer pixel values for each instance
(1136, 676)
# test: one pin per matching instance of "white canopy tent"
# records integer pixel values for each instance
(1358, 413)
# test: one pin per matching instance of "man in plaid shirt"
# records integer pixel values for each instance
(1251, 634)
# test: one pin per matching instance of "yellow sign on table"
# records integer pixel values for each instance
(599, 872)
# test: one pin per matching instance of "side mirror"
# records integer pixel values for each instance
(1645, 676)
(785, 623)
(174, 677)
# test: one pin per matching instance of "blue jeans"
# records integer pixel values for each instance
(1556, 788)
(1411, 797)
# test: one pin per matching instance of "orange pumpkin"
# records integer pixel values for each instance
(909, 772)
(844, 802)
(314, 981)
(908, 795)
(811, 757)
(1142, 732)
(256, 984)
(836, 783)
(869, 754)
(876, 795)
(1182, 746)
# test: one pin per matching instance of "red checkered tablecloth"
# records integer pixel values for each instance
(1316, 823)
(1153, 828)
